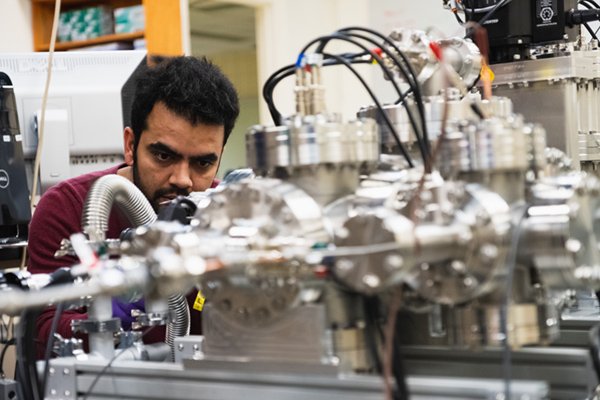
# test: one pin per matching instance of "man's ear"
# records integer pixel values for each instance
(128, 145)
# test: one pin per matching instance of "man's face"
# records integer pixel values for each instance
(173, 157)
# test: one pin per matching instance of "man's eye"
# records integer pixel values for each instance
(203, 164)
(160, 156)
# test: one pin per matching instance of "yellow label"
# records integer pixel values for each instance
(487, 74)
(199, 302)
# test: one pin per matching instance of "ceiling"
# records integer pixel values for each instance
(218, 26)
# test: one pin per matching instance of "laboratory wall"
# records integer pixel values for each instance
(15, 29)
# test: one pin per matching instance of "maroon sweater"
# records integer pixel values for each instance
(57, 216)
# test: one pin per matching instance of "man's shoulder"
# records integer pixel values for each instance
(71, 193)
(81, 183)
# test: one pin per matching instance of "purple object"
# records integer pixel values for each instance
(122, 310)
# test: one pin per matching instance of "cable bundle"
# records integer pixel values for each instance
(362, 38)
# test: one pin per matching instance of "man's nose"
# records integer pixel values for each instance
(181, 176)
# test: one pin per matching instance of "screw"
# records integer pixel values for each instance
(394, 261)
(342, 233)
(458, 266)
(371, 281)
(344, 265)
(573, 246)
(488, 252)
(66, 371)
(180, 347)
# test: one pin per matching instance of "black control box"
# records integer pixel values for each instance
(15, 213)
(517, 26)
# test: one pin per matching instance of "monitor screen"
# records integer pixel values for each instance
(87, 108)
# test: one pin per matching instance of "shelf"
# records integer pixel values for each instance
(84, 3)
(117, 37)
(163, 33)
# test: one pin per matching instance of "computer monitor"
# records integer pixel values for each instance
(88, 105)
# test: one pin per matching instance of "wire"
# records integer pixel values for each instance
(26, 354)
(409, 75)
(290, 69)
(594, 336)
(283, 73)
(458, 18)
(384, 115)
(371, 310)
(511, 260)
(57, 313)
(389, 352)
(108, 365)
(286, 71)
(10, 342)
(589, 4)
(492, 11)
(590, 31)
(398, 368)
(592, 2)
(4, 334)
(38, 154)
(374, 56)
(423, 147)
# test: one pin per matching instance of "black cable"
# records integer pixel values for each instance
(372, 322)
(398, 369)
(590, 31)
(10, 342)
(511, 263)
(374, 56)
(384, 115)
(595, 350)
(423, 148)
(26, 354)
(108, 365)
(493, 11)
(57, 314)
(282, 73)
(409, 75)
(589, 4)
(26, 345)
(277, 77)
(267, 96)
(592, 2)
(410, 78)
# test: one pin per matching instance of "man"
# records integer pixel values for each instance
(182, 115)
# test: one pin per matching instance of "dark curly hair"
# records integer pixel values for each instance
(193, 88)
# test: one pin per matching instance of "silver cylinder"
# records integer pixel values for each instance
(112, 190)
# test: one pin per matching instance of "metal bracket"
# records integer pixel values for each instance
(94, 326)
(143, 320)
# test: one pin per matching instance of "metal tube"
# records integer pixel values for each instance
(101, 343)
(112, 190)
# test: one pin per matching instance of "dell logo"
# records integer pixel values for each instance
(4, 179)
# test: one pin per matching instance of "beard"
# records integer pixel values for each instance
(154, 198)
